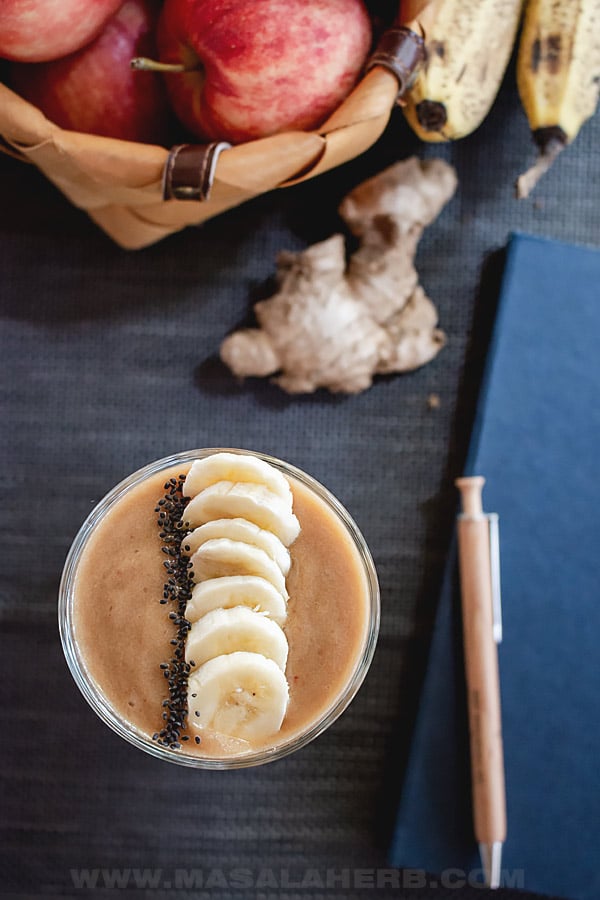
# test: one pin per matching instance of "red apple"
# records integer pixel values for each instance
(39, 30)
(259, 67)
(95, 90)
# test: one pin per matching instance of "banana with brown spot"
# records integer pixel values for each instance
(468, 48)
(558, 76)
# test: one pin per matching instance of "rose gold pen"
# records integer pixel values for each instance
(482, 630)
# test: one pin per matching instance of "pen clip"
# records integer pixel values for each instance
(495, 576)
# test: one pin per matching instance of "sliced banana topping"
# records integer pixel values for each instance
(241, 522)
(224, 631)
(220, 557)
(254, 502)
(239, 530)
(235, 467)
(243, 694)
(251, 591)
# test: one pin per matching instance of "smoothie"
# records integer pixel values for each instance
(124, 634)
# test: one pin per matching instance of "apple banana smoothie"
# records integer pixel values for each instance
(219, 609)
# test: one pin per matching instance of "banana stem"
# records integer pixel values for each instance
(143, 64)
(528, 180)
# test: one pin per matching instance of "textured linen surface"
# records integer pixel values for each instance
(109, 361)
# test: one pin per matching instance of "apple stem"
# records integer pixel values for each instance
(143, 64)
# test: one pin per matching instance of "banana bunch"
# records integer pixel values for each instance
(468, 48)
(242, 522)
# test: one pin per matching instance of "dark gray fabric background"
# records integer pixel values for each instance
(108, 362)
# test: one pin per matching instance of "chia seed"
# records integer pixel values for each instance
(176, 591)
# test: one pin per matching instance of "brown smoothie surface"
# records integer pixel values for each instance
(123, 632)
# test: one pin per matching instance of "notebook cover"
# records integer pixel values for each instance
(537, 442)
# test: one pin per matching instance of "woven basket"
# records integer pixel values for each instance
(120, 184)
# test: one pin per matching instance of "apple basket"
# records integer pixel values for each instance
(139, 193)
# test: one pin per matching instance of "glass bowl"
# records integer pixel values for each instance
(94, 694)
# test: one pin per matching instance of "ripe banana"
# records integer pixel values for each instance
(236, 590)
(235, 467)
(255, 502)
(241, 694)
(468, 46)
(221, 557)
(243, 521)
(239, 530)
(224, 631)
(558, 76)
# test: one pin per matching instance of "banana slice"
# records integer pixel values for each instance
(220, 557)
(242, 694)
(239, 530)
(235, 467)
(254, 502)
(236, 590)
(227, 630)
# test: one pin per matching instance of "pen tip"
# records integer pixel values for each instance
(491, 861)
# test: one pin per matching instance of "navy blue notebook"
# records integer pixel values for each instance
(537, 442)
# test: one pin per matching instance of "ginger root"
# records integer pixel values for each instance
(334, 324)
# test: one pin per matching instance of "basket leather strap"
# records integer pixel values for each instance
(402, 51)
(190, 170)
